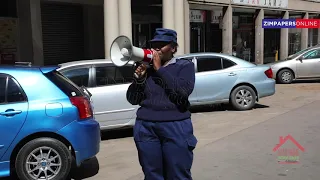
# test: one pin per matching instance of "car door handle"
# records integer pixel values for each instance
(232, 74)
(10, 112)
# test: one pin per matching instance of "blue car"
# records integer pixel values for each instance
(46, 123)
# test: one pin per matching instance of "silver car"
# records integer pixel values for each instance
(219, 79)
(304, 64)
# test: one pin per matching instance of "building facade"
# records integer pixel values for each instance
(49, 32)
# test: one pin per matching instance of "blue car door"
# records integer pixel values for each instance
(214, 79)
(13, 111)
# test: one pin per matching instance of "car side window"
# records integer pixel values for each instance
(315, 54)
(227, 63)
(14, 92)
(208, 63)
(124, 74)
(105, 75)
(3, 83)
(112, 75)
(79, 76)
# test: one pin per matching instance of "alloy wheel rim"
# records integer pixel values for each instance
(286, 76)
(244, 98)
(43, 163)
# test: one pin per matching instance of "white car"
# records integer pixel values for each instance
(220, 78)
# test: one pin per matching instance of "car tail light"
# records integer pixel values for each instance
(83, 106)
(269, 73)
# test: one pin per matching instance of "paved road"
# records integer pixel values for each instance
(231, 142)
(232, 145)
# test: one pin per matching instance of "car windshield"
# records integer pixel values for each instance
(298, 53)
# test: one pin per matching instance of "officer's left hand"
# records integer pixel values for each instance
(156, 60)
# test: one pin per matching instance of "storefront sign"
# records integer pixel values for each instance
(263, 3)
(198, 16)
(216, 16)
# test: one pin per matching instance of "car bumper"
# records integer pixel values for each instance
(84, 137)
(266, 88)
(274, 71)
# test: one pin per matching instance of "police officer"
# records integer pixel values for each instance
(163, 132)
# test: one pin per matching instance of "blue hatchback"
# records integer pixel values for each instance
(46, 122)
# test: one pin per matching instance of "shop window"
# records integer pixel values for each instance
(209, 64)
(294, 37)
(8, 8)
(313, 37)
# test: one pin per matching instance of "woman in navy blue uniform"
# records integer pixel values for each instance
(163, 132)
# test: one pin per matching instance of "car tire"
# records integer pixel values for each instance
(243, 98)
(285, 76)
(40, 154)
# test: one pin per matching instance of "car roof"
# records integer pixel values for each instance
(25, 68)
(108, 61)
(84, 62)
(94, 61)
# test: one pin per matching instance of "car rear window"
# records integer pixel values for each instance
(67, 86)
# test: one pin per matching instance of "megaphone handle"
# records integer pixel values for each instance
(136, 65)
(136, 75)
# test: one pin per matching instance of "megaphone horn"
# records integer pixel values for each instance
(122, 51)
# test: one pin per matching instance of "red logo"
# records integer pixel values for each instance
(288, 155)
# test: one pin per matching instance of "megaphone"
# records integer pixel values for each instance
(122, 51)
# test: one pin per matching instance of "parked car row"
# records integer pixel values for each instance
(51, 117)
(220, 78)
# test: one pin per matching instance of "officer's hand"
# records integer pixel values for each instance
(156, 59)
(141, 70)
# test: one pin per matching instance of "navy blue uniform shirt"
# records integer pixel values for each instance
(163, 94)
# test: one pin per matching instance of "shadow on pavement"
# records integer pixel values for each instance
(116, 134)
(219, 107)
(128, 132)
(88, 169)
(306, 81)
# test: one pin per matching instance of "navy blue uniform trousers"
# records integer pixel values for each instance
(165, 149)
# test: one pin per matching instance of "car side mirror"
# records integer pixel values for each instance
(300, 58)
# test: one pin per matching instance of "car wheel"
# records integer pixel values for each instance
(43, 158)
(243, 98)
(285, 76)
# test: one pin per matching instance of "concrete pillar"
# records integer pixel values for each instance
(186, 27)
(259, 37)
(111, 24)
(227, 30)
(30, 38)
(125, 19)
(179, 24)
(304, 34)
(168, 13)
(284, 39)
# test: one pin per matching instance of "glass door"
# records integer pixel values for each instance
(197, 37)
(271, 45)
(143, 33)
